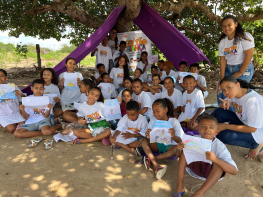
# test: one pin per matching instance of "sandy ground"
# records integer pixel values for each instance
(86, 170)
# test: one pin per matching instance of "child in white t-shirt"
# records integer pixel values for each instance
(127, 82)
(118, 73)
(100, 70)
(84, 87)
(110, 93)
(182, 68)
(91, 114)
(144, 65)
(168, 72)
(193, 104)
(154, 90)
(130, 128)
(36, 119)
(120, 53)
(154, 71)
(138, 74)
(10, 116)
(68, 96)
(220, 157)
(142, 98)
(173, 94)
(103, 54)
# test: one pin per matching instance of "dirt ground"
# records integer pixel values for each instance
(87, 170)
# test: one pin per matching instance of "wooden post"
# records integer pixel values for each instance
(38, 57)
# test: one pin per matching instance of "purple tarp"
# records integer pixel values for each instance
(174, 45)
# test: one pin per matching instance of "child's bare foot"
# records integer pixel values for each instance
(255, 154)
(198, 193)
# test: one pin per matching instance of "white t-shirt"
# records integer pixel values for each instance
(220, 150)
(117, 74)
(103, 55)
(9, 111)
(83, 98)
(141, 66)
(176, 97)
(144, 100)
(96, 75)
(110, 43)
(234, 54)
(113, 93)
(36, 115)
(69, 96)
(176, 126)
(249, 109)
(52, 89)
(171, 74)
(92, 113)
(117, 54)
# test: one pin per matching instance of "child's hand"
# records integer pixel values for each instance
(178, 78)
(148, 133)
(121, 85)
(119, 99)
(82, 121)
(225, 103)
(112, 140)
(96, 50)
(22, 107)
(56, 99)
(190, 123)
(152, 91)
(17, 93)
(161, 73)
(183, 108)
(197, 82)
(211, 156)
(222, 126)
(49, 106)
(127, 135)
(62, 81)
(100, 87)
(157, 91)
(78, 81)
(180, 146)
(172, 132)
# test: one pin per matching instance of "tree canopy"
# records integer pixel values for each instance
(77, 19)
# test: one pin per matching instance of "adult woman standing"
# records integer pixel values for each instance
(236, 49)
(113, 44)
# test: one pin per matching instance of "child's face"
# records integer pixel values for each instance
(105, 41)
(166, 67)
(156, 80)
(144, 57)
(136, 87)
(101, 69)
(3, 78)
(132, 114)
(122, 61)
(154, 71)
(160, 65)
(137, 74)
(230, 89)
(208, 129)
(126, 97)
(93, 95)
(183, 68)
(189, 84)
(71, 65)
(106, 79)
(127, 84)
(168, 84)
(122, 47)
(37, 89)
(159, 112)
(47, 76)
(83, 88)
(193, 70)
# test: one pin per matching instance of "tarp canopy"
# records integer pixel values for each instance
(174, 45)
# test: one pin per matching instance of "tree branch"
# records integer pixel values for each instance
(250, 17)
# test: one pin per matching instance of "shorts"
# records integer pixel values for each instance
(202, 169)
(36, 126)
(97, 128)
(67, 106)
(162, 147)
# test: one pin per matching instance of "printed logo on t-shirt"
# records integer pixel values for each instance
(120, 76)
(189, 101)
(135, 130)
(139, 104)
(39, 111)
(93, 117)
(103, 53)
(230, 50)
(237, 109)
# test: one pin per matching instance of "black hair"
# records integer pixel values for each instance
(154, 67)
(123, 42)
(38, 81)
(88, 82)
(165, 102)
(126, 90)
(137, 80)
(239, 32)
(132, 105)
(99, 65)
(139, 70)
(196, 65)
(183, 62)
(69, 58)
(125, 67)
(54, 79)
(243, 83)
(128, 78)
(144, 52)
(189, 77)
(2, 70)
(157, 75)
(101, 98)
(161, 61)
(169, 78)
(208, 117)
(103, 74)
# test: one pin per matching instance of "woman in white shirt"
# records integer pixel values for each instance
(235, 49)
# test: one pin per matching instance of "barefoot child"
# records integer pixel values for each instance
(91, 114)
(10, 115)
(220, 157)
(163, 110)
(36, 122)
(130, 127)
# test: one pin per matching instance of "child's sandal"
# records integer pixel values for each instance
(180, 193)
(76, 141)
(47, 144)
(160, 171)
(147, 162)
(33, 143)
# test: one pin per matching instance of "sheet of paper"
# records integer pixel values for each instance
(106, 90)
(121, 139)
(51, 96)
(160, 132)
(195, 148)
(64, 138)
(76, 105)
(8, 95)
(187, 115)
(70, 82)
(183, 74)
(112, 109)
(36, 102)
(152, 59)
(6, 88)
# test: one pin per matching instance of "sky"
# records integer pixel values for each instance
(52, 43)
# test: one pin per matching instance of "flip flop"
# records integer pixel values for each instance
(106, 141)
(33, 143)
(47, 144)
(160, 171)
(257, 158)
(76, 140)
(180, 193)
(147, 162)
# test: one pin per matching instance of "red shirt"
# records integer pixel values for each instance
(123, 109)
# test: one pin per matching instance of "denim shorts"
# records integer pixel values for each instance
(247, 75)
(36, 126)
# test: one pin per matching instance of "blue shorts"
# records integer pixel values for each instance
(36, 126)
(162, 148)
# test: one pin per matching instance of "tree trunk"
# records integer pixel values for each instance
(38, 68)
